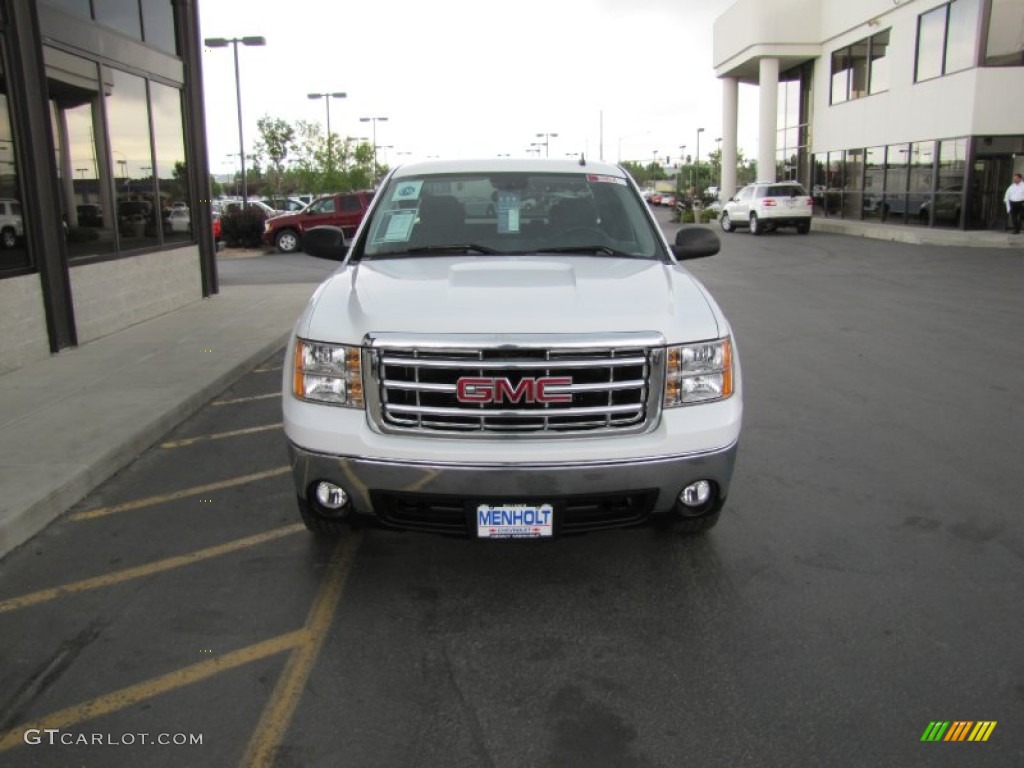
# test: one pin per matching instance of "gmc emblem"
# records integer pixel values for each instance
(483, 390)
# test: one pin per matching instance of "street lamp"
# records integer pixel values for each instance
(223, 42)
(547, 137)
(327, 98)
(696, 158)
(374, 120)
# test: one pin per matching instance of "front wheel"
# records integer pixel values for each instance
(756, 228)
(726, 222)
(8, 238)
(287, 241)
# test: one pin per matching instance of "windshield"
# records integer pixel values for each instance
(510, 213)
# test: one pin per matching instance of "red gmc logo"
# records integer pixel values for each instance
(481, 390)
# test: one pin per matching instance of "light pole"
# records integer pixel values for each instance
(696, 158)
(547, 138)
(223, 42)
(327, 98)
(374, 120)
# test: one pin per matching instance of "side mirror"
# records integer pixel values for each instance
(696, 243)
(325, 242)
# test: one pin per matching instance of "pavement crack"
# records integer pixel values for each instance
(46, 674)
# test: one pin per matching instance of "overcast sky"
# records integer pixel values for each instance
(471, 78)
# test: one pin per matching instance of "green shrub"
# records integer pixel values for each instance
(686, 217)
(708, 215)
(242, 228)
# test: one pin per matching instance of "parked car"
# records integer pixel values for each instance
(345, 211)
(11, 227)
(178, 220)
(498, 380)
(763, 206)
(89, 215)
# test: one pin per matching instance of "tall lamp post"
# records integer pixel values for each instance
(327, 97)
(547, 138)
(224, 42)
(696, 158)
(374, 120)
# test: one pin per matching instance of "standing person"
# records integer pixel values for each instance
(1014, 199)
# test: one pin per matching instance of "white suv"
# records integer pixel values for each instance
(765, 205)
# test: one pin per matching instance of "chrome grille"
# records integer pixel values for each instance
(600, 385)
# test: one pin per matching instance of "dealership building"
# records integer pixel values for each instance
(909, 112)
(103, 170)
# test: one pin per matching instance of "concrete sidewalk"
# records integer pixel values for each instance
(71, 421)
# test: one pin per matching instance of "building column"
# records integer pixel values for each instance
(730, 120)
(768, 107)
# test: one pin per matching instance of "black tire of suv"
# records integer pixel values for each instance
(803, 227)
(695, 525)
(756, 227)
(320, 526)
(281, 236)
(8, 238)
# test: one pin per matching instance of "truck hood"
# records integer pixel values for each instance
(510, 295)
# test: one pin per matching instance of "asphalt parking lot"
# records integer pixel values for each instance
(864, 581)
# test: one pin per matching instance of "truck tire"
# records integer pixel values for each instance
(695, 525)
(287, 241)
(321, 526)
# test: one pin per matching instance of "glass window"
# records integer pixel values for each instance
(122, 15)
(128, 123)
(14, 254)
(859, 69)
(158, 24)
(73, 85)
(172, 170)
(840, 76)
(879, 63)
(952, 165)
(853, 197)
(834, 184)
(894, 207)
(76, 7)
(1005, 44)
(922, 176)
(931, 31)
(818, 179)
(960, 35)
(874, 182)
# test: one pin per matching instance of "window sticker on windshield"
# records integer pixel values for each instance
(606, 179)
(396, 226)
(508, 212)
(406, 190)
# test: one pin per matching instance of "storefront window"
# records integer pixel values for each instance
(950, 188)
(138, 214)
(874, 183)
(834, 184)
(853, 186)
(896, 177)
(172, 170)
(14, 253)
(922, 176)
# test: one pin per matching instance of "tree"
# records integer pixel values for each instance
(276, 140)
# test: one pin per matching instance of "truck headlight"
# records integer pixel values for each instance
(698, 373)
(328, 373)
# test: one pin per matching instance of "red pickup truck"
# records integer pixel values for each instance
(345, 210)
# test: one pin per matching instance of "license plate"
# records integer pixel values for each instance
(514, 521)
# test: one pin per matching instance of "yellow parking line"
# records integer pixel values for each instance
(133, 694)
(279, 711)
(128, 506)
(249, 399)
(220, 435)
(118, 577)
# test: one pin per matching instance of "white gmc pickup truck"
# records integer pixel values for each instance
(511, 349)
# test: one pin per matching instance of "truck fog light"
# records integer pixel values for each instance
(696, 494)
(330, 496)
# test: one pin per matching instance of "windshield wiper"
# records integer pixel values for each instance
(462, 248)
(602, 249)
